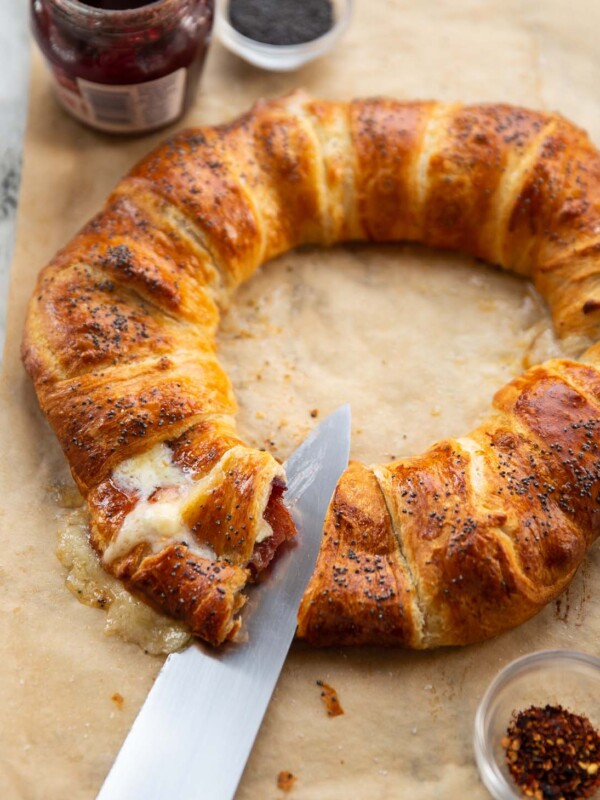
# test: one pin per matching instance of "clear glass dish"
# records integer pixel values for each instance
(559, 677)
(276, 57)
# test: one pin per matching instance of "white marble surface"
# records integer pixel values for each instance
(14, 61)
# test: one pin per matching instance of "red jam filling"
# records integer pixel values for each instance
(278, 517)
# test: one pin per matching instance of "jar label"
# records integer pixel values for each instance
(131, 108)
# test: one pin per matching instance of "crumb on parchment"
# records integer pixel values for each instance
(330, 699)
(285, 780)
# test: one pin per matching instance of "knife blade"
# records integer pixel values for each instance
(194, 733)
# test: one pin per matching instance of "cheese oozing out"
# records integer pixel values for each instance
(147, 472)
(157, 523)
(160, 521)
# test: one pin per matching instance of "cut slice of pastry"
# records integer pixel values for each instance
(187, 538)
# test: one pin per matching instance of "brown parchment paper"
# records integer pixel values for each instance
(416, 340)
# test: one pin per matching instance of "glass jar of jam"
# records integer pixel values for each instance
(124, 66)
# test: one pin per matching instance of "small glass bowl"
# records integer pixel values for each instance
(557, 677)
(280, 57)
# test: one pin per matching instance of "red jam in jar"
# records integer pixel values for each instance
(124, 66)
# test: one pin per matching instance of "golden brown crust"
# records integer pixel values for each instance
(490, 528)
(470, 538)
(476, 155)
(360, 592)
(205, 594)
(387, 137)
(557, 209)
(565, 426)
(222, 513)
(103, 418)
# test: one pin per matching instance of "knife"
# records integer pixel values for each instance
(194, 733)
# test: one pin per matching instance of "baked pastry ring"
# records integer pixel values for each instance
(469, 539)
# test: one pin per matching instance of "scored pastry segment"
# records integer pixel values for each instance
(513, 242)
(225, 510)
(473, 177)
(332, 125)
(564, 423)
(305, 147)
(428, 501)
(412, 597)
(544, 540)
(449, 547)
(290, 164)
(431, 160)
(222, 214)
(185, 237)
(136, 252)
(206, 595)
(327, 126)
(572, 282)
(360, 591)
(582, 377)
(558, 206)
(387, 138)
(103, 418)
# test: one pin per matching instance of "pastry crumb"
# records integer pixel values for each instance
(285, 780)
(118, 700)
(330, 699)
(314, 413)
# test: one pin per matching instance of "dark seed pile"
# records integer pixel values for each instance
(553, 754)
(281, 21)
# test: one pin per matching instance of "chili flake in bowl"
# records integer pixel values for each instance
(553, 753)
(536, 729)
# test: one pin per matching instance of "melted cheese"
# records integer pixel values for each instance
(160, 522)
(126, 616)
(149, 471)
(264, 531)
(159, 525)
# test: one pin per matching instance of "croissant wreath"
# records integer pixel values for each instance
(469, 539)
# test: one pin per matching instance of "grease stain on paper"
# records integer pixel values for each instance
(126, 616)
